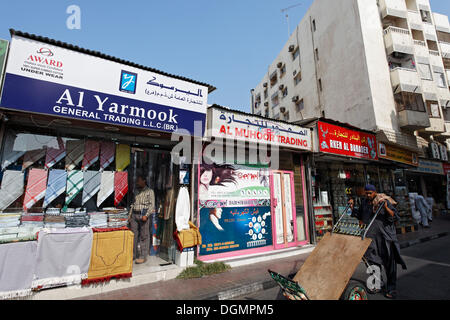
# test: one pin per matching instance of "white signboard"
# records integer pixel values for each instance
(52, 80)
(233, 125)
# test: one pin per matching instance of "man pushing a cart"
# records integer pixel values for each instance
(384, 249)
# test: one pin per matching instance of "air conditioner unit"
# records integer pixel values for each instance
(282, 109)
(279, 65)
(265, 85)
(281, 87)
(266, 104)
(295, 99)
(291, 48)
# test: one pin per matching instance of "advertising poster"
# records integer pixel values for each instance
(342, 141)
(235, 212)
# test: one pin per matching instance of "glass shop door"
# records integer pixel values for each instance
(283, 205)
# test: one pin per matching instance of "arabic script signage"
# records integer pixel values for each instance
(393, 153)
(342, 141)
(232, 125)
(47, 79)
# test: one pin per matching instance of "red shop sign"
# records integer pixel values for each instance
(446, 167)
(346, 142)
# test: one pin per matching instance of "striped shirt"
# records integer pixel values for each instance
(145, 199)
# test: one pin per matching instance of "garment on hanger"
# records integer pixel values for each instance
(183, 209)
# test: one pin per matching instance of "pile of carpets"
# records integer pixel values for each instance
(118, 220)
(98, 220)
(33, 220)
(52, 221)
(9, 220)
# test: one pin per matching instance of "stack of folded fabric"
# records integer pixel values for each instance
(118, 220)
(53, 212)
(9, 220)
(77, 220)
(52, 221)
(98, 220)
(34, 220)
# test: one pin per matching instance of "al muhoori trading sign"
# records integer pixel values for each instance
(48, 79)
(233, 125)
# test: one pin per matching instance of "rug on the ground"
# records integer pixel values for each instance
(111, 257)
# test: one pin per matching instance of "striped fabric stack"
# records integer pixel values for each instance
(9, 220)
(98, 220)
(76, 218)
(117, 219)
(33, 220)
(54, 221)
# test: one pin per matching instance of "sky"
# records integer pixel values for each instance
(226, 43)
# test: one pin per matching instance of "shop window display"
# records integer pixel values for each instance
(66, 181)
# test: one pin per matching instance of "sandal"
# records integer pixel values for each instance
(374, 291)
(391, 295)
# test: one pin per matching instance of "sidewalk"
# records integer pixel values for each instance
(245, 279)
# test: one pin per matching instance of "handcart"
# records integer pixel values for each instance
(326, 273)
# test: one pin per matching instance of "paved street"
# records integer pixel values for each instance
(427, 277)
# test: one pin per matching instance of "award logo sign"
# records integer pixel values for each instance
(235, 212)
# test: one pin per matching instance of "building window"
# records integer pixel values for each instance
(424, 71)
(296, 53)
(440, 79)
(286, 116)
(409, 101)
(314, 25)
(426, 17)
(265, 94)
(273, 78)
(298, 78)
(317, 54)
(320, 85)
(299, 106)
(267, 113)
(275, 100)
(284, 92)
(433, 109)
(258, 101)
(282, 70)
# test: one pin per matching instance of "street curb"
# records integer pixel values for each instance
(422, 240)
(269, 284)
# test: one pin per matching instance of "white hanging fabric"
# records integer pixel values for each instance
(183, 210)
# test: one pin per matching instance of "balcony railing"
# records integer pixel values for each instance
(420, 43)
(397, 30)
(434, 53)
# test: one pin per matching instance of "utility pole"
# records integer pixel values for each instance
(287, 16)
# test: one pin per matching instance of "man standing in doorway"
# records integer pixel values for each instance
(143, 205)
(384, 249)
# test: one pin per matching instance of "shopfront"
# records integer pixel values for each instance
(345, 159)
(78, 129)
(429, 180)
(251, 195)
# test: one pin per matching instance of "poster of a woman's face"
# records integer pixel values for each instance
(214, 174)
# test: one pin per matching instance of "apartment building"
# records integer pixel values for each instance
(382, 66)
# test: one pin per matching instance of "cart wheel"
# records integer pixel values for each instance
(355, 291)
